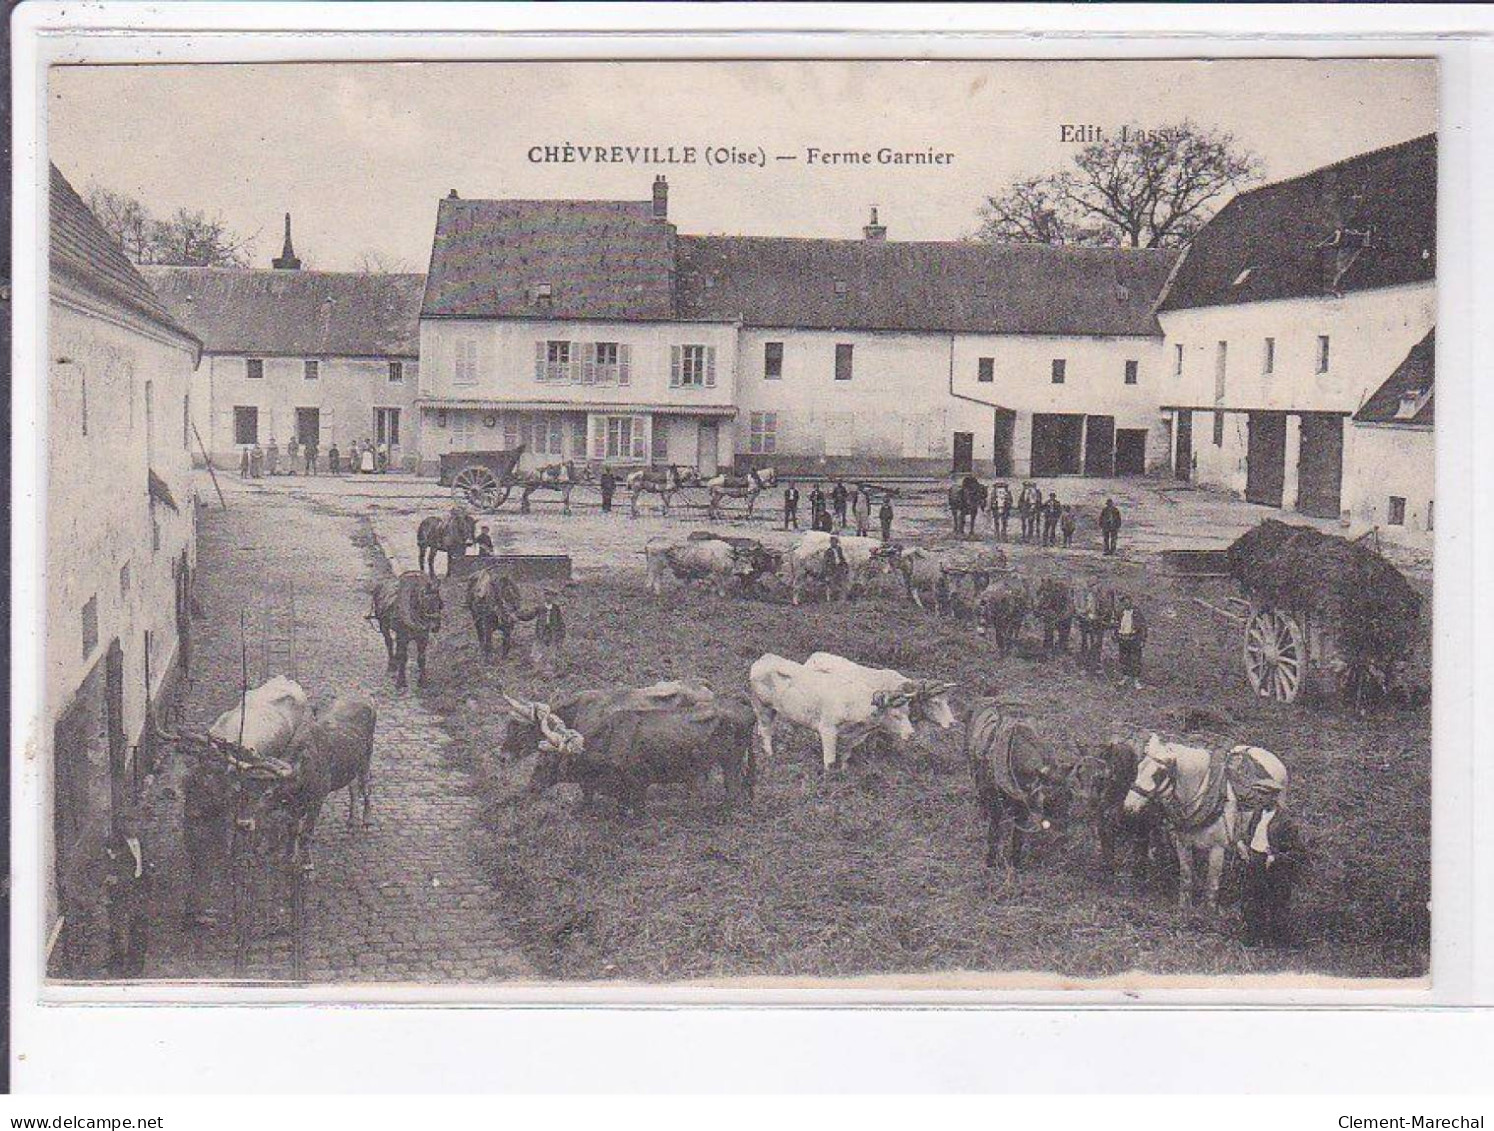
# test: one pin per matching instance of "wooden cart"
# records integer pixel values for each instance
(481, 479)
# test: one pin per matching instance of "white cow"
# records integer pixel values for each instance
(863, 556)
(275, 709)
(844, 713)
(930, 702)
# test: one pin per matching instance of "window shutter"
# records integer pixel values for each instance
(624, 365)
(598, 437)
(710, 367)
(539, 361)
(589, 363)
(640, 427)
(674, 367)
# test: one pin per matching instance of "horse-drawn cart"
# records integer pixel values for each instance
(481, 479)
(1319, 613)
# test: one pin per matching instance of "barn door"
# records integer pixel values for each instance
(1320, 466)
(1130, 451)
(1183, 465)
(1057, 443)
(964, 452)
(1265, 471)
(1001, 444)
(1099, 446)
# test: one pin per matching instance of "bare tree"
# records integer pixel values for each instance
(188, 237)
(373, 262)
(1148, 189)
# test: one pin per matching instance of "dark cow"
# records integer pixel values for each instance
(1106, 774)
(1002, 609)
(406, 608)
(1017, 778)
(495, 605)
(631, 739)
(1055, 609)
(450, 534)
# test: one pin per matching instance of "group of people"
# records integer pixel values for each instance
(1046, 520)
(256, 462)
(838, 509)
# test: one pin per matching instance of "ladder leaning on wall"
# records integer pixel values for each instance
(279, 629)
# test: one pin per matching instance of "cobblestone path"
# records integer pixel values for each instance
(405, 901)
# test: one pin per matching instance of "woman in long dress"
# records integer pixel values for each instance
(368, 460)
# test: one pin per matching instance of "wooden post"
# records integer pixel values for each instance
(207, 459)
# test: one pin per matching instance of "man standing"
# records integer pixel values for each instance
(884, 516)
(1001, 509)
(311, 454)
(791, 507)
(861, 510)
(484, 543)
(1110, 524)
(837, 571)
(292, 455)
(839, 497)
(256, 461)
(1052, 512)
(1274, 856)
(816, 505)
(244, 464)
(609, 488)
(272, 458)
(1066, 524)
(334, 459)
(1130, 639)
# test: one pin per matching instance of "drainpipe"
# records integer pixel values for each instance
(992, 405)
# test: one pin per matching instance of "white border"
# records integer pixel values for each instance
(98, 1055)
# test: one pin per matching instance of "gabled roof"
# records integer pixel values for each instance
(298, 313)
(601, 259)
(91, 258)
(949, 287)
(1302, 237)
(1412, 383)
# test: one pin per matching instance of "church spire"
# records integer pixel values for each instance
(287, 260)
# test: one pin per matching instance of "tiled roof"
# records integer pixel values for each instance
(295, 313)
(1269, 243)
(81, 249)
(600, 258)
(1411, 383)
(955, 287)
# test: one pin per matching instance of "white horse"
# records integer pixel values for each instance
(1199, 792)
(749, 487)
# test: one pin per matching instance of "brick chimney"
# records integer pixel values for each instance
(287, 260)
(874, 232)
(661, 198)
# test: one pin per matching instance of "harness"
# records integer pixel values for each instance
(1004, 770)
(1200, 811)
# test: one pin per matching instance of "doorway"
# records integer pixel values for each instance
(1320, 465)
(1182, 467)
(386, 427)
(1130, 451)
(1099, 446)
(1001, 442)
(309, 427)
(964, 453)
(1057, 440)
(707, 439)
(1265, 467)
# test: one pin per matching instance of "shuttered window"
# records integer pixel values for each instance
(692, 367)
(1133, 372)
(985, 370)
(772, 361)
(620, 437)
(844, 352)
(1060, 370)
(660, 448)
(763, 433)
(578, 437)
(464, 372)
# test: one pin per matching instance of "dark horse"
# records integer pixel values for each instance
(1019, 781)
(496, 606)
(450, 534)
(406, 608)
(967, 499)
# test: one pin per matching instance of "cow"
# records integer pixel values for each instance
(450, 534)
(406, 608)
(864, 556)
(708, 558)
(1106, 773)
(265, 718)
(1002, 610)
(1018, 778)
(925, 572)
(843, 713)
(929, 702)
(1055, 609)
(631, 739)
(495, 604)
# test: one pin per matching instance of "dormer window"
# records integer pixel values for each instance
(1412, 402)
(840, 288)
(542, 294)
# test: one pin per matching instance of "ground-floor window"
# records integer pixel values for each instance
(464, 431)
(620, 437)
(386, 426)
(1397, 511)
(1219, 429)
(660, 451)
(245, 424)
(762, 433)
(546, 436)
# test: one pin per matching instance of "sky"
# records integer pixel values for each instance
(359, 154)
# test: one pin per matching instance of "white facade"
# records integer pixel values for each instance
(1390, 482)
(1217, 361)
(247, 399)
(620, 392)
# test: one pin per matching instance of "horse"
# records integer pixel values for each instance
(561, 477)
(495, 604)
(749, 486)
(966, 499)
(1016, 776)
(1199, 792)
(450, 534)
(406, 608)
(661, 481)
(1094, 612)
(1105, 776)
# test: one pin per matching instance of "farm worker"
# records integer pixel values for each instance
(837, 571)
(1052, 511)
(839, 497)
(244, 464)
(609, 488)
(367, 465)
(272, 457)
(816, 505)
(791, 507)
(484, 543)
(1130, 638)
(861, 511)
(1001, 509)
(884, 516)
(126, 887)
(1275, 857)
(311, 454)
(334, 459)
(1110, 524)
(292, 454)
(823, 521)
(256, 461)
(1066, 523)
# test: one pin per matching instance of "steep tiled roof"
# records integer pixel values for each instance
(960, 287)
(1269, 243)
(83, 251)
(1414, 375)
(601, 259)
(298, 313)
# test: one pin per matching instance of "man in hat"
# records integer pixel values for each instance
(1110, 524)
(884, 516)
(1275, 858)
(1130, 638)
(791, 507)
(484, 543)
(839, 498)
(837, 571)
(609, 488)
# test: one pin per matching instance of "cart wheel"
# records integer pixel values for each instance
(497, 497)
(1275, 655)
(473, 483)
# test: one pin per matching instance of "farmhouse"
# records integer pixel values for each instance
(120, 550)
(1292, 306)
(1391, 455)
(326, 357)
(594, 330)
